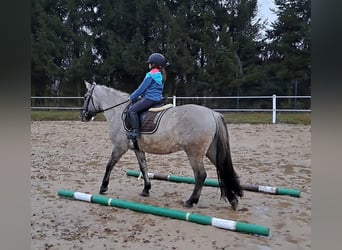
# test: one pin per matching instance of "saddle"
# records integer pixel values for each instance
(149, 119)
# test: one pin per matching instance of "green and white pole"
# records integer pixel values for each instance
(166, 212)
(214, 183)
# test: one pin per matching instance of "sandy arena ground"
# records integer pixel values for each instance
(73, 155)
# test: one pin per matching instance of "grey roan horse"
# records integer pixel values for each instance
(197, 130)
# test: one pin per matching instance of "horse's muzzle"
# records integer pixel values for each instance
(85, 116)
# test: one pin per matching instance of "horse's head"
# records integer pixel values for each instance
(89, 109)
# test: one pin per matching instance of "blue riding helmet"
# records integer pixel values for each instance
(158, 59)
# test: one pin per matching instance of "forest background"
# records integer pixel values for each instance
(215, 48)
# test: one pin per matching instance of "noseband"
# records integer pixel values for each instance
(89, 99)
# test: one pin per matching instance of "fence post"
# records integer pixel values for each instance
(174, 101)
(274, 109)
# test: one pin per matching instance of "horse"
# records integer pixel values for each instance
(194, 129)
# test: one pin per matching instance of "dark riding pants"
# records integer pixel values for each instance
(133, 115)
(141, 105)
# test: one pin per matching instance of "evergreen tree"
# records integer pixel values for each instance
(214, 47)
(245, 30)
(61, 46)
(289, 48)
(47, 47)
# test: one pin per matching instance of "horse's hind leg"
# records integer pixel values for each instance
(143, 168)
(196, 162)
(115, 157)
(212, 156)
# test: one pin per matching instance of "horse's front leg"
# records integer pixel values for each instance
(115, 157)
(143, 168)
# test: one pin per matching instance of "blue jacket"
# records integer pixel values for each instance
(151, 87)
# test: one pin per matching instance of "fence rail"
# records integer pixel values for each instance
(272, 104)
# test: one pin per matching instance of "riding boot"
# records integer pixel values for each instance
(135, 123)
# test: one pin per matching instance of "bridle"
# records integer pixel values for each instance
(85, 112)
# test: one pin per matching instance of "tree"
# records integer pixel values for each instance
(214, 47)
(245, 30)
(47, 47)
(289, 48)
(61, 46)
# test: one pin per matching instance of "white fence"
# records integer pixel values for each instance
(59, 103)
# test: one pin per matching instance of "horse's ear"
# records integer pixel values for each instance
(88, 85)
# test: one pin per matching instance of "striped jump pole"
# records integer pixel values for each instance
(214, 183)
(166, 212)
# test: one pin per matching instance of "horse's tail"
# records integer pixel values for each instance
(228, 179)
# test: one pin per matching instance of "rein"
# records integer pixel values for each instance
(113, 106)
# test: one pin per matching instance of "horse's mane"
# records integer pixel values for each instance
(116, 91)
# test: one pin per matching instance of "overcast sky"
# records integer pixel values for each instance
(265, 12)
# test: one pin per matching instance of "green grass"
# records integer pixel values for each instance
(232, 117)
(266, 117)
(59, 115)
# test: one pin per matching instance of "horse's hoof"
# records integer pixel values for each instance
(144, 194)
(188, 204)
(234, 203)
(103, 190)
